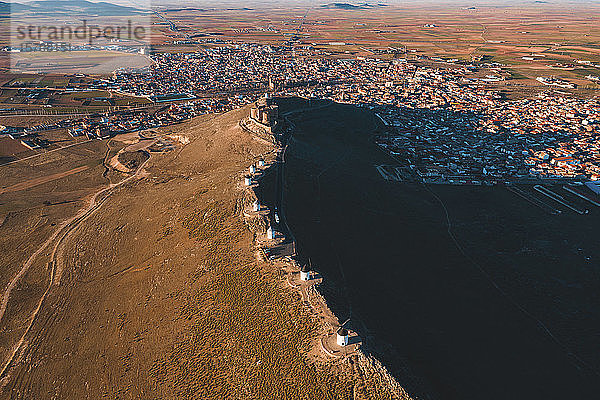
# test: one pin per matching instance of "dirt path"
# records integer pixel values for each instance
(63, 231)
(45, 152)
(41, 180)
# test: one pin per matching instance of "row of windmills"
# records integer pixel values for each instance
(306, 276)
(271, 232)
(248, 179)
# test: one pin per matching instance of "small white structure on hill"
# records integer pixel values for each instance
(256, 206)
(247, 181)
(252, 169)
(270, 233)
(261, 163)
(304, 273)
(342, 337)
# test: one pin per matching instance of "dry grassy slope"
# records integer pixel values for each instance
(161, 295)
(29, 217)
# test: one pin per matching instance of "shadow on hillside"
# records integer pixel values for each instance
(390, 266)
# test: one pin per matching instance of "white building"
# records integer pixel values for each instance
(342, 337)
(304, 273)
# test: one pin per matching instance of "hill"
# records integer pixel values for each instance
(159, 291)
(348, 6)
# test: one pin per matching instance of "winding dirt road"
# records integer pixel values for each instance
(58, 237)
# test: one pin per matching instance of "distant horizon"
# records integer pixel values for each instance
(318, 3)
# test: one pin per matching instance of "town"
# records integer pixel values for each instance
(300, 200)
(441, 118)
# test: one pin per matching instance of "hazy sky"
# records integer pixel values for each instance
(316, 3)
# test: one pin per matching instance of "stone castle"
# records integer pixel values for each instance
(265, 113)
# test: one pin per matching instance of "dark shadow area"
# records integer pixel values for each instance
(470, 320)
(353, 340)
(269, 193)
(6, 159)
(315, 275)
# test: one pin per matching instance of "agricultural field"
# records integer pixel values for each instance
(10, 148)
(30, 96)
(96, 62)
(553, 34)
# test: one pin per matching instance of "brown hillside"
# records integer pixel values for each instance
(159, 293)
